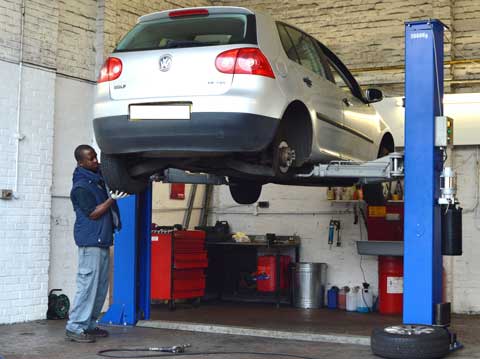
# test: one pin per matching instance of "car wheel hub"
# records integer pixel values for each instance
(286, 156)
(409, 329)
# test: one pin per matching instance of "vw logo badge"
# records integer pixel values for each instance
(165, 63)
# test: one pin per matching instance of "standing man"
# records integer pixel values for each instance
(97, 217)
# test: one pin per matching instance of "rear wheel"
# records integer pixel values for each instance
(115, 173)
(245, 192)
(283, 155)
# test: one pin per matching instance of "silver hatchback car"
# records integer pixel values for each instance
(231, 92)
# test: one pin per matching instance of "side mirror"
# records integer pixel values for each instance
(373, 95)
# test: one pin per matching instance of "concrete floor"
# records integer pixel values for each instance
(267, 316)
(45, 339)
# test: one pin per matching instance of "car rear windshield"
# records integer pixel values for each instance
(211, 30)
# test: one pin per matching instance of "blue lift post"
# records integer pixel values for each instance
(423, 165)
(131, 263)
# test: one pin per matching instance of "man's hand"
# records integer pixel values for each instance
(118, 195)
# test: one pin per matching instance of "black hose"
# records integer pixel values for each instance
(104, 353)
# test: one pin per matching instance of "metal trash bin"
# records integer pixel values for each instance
(308, 284)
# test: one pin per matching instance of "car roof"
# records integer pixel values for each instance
(211, 10)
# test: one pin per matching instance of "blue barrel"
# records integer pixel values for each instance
(332, 298)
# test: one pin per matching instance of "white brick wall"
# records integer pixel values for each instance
(465, 270)
(306, 212)
(73, 126)
(65, 35)
(25, 221)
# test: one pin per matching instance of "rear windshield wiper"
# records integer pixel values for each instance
(172, 44)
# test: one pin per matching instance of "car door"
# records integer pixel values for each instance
(325, 107)
(361, 121)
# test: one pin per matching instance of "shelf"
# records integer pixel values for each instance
(380, 248)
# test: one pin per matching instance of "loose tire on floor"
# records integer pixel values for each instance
(245, 192)
(423, 342)
(115, 173)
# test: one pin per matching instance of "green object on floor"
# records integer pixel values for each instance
(58, 305)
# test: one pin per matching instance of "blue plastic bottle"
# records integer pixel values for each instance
(332, 298)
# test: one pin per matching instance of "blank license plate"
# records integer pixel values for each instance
(159, 112)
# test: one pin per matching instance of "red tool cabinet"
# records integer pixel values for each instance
(178, 262)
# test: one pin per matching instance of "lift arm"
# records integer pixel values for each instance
(388, 168)
(383, 169)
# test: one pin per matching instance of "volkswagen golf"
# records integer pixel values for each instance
(231, 92)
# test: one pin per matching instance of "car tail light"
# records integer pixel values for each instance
(188, 12)
(249, 61)
(111, 70)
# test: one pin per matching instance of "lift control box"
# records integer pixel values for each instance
(443, 131)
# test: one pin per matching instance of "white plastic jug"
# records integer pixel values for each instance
(352, 299)
(364, 300)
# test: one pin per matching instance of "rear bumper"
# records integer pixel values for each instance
(205, 133)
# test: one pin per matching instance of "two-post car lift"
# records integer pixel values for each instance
(420, 165)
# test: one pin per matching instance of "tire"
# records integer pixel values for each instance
(245, 192)
(115, 173)
(410, 341)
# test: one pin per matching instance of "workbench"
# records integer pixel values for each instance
(227, 260)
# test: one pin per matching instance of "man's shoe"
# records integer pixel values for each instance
(97, 332)
(82, 337)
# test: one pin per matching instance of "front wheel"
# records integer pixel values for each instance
(245, 192)
(115, 173)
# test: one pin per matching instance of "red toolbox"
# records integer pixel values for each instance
(267, 273)
(178, 262)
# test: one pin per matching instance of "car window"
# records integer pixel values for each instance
(338, 78)
(306, 51)
(214, 29)
(341, 75)
(287, 43)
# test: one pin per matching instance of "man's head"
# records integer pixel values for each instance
(86, 157)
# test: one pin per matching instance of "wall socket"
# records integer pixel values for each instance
(6, 194)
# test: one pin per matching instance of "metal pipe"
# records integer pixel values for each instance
(188, 212)
(207, 195)
(402, 67)
(19, 137)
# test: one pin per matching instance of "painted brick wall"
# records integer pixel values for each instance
(76, 38)
(466, 35)
(370, 33)
(41, 21)
(306, 212)
(25, 221)
(464, 271)
(73, 37)
(121, 15)
(9, 29)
